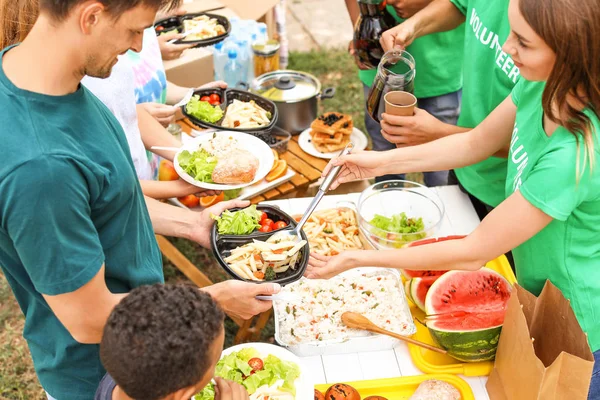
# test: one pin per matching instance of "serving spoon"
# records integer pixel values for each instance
(358, 321)
(333, 172)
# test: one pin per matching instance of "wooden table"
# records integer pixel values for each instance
(460, 219)
(308, 169)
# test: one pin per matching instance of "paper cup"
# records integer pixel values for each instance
(400, 103)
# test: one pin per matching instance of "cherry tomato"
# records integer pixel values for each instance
(214, 103)
(265, 228)
(215, 97)
(263, 216)
(267, 221)
(256, 364)
(279, 225)
(205, 98)
(160, 28)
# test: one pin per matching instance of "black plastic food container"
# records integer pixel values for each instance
(227, 97)
(223, 244)
(177, 23)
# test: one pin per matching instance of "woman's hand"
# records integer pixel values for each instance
(325, 267)
(213, 85)
(410, 131)
(161, 112)
(399, 37)
(171, 51)
(182, 189)
(356, 166)
(352, 52)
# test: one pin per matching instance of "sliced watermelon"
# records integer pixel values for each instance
(481, 298)
(418, 290)
(410, 273)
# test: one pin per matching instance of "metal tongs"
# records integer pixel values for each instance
(333, 172)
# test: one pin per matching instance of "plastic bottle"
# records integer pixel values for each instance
(250, 76)
(262, 32)
(233, 72)
(235, 27)
(219, 60)
(244, 58)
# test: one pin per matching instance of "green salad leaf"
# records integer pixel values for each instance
(232, 194)
(235, 367)
(203, 110)
(198, 164)
(408, 229)
(242, 222)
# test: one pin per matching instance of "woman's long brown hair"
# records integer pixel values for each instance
(17, 18)
(571, 28)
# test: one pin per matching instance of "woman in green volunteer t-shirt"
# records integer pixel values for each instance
(549, 126)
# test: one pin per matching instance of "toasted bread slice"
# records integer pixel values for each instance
(328, 148)
(333, 122)
(323, 138)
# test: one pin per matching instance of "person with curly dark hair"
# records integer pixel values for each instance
(162, 342)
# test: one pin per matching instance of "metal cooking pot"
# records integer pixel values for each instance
(296, 95)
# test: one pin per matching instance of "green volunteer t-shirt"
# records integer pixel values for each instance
(438, 59)
(489, 76)
(544, 169)
(70, 202)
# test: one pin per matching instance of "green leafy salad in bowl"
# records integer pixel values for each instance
(397, 230)
(261, 376)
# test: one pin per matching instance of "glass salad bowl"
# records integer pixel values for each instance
(394, 213)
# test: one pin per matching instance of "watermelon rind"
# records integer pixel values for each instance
(471, 345)
(419, 301)
(407, 290)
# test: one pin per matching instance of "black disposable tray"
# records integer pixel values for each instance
(223, 244)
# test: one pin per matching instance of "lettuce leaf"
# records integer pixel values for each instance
(235, 367)
(242, 222)
(199, 165)
(203, 110)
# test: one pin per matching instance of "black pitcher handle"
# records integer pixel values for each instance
(327, 93)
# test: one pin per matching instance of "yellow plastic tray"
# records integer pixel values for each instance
(434, 363)
(404, 387)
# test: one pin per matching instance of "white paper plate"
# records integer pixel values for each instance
(304, 387)
(357, 137)
(248, 142)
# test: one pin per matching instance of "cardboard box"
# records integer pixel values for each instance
(192, 6)
(246, 9)
(196, 67)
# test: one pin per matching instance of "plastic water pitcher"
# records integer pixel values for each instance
(233, 71)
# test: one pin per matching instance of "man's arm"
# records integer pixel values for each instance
(85, 311)
(353, 10)
(438, 16)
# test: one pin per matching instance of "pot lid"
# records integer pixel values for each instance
(287, 86)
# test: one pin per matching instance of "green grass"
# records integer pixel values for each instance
(17, 377)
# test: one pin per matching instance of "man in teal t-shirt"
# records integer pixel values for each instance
(438, 80)
(489, 76)
(76, 234)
